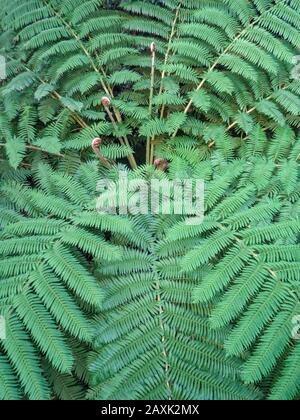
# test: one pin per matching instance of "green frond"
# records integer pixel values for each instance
(75, 276)
(256, 318)
(25, 360)
(50, 290)
(9, 389)
(203, 253)
(114, 306)
(287, 387)
(222, 274)
(65, 387)
(15, 149)
(44, 331)
(269, 350)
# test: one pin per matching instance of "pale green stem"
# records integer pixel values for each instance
(149, 157)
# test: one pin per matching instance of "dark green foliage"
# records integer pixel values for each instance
(66, 55)
(48, 290)
(110, 306)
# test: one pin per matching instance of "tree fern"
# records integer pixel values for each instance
(114, 306)
(50, 284)
(248, 278)
(206, 57)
